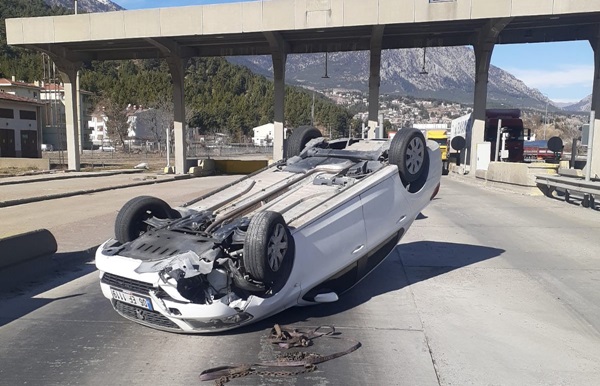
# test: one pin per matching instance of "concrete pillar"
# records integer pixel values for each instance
(39, 129)
(68, 74)
(79, 116)
(595, 162)
(279, 107)
(177, 69)
(483, 55)
(374, 79)
(279, 49)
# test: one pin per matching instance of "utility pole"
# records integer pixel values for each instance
(546, 119)
(312, 111)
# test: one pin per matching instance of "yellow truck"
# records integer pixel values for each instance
(441, 137)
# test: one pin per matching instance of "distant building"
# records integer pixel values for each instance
(54, 121)
(142, 131)
(52, 117)
(264, 135)
(20, 126)
(97, 127)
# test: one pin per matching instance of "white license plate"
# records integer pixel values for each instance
(131, 298)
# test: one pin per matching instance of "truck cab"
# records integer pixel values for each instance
(441, 137)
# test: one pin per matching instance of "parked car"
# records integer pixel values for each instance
(299, 232)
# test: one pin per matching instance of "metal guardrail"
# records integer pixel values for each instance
(227, 150)
(589, 189)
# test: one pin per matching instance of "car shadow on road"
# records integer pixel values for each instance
(406, 265)
(22, 283)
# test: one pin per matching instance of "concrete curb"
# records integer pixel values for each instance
(27, 246)
(21, 276)
(20, 201)
(52, 177)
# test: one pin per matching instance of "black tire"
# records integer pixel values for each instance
(130, 225)
(299, 138)
(408, 151)
(268, 248)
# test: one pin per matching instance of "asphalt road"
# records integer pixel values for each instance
(487, 288)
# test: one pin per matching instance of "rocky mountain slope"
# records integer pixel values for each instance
(450, 75)
(87, 5)
(583, 105)
(450, 71)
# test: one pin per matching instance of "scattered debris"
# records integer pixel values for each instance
(294, 363)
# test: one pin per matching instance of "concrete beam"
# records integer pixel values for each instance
(170, 48)
(177, 69)
(279, 50)
(374, 79)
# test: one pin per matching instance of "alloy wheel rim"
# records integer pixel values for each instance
(277, 247)
(415, 155)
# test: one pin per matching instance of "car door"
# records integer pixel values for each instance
(386, 212)
(328, 249)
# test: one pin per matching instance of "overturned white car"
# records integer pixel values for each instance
(297, 233)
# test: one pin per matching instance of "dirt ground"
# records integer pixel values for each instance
(103, 160)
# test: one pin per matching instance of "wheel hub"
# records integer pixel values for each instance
(277, 247)
(415, 155)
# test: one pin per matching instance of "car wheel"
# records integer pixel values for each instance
(130, 224)
(299, 138)
(268, 248)
(408, 151)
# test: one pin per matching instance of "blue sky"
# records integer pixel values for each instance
(561, 71)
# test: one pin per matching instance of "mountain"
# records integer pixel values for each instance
(450, 75)
(87, 5)
(583, 105)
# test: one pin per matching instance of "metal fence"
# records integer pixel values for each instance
(232, 149)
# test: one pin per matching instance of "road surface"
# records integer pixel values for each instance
(487, 287)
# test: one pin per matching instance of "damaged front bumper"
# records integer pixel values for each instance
(146, 298)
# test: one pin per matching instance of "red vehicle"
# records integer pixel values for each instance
(512, 130)
(537, 151)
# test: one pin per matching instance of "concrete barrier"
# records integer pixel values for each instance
(25, 163)
(27, 246)
(519, 177)
(240, 166)
(521, 174)
(204, 167)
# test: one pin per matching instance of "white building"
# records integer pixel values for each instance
(20, 126)
(146, 127)
(97, 126)
(264, 135)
